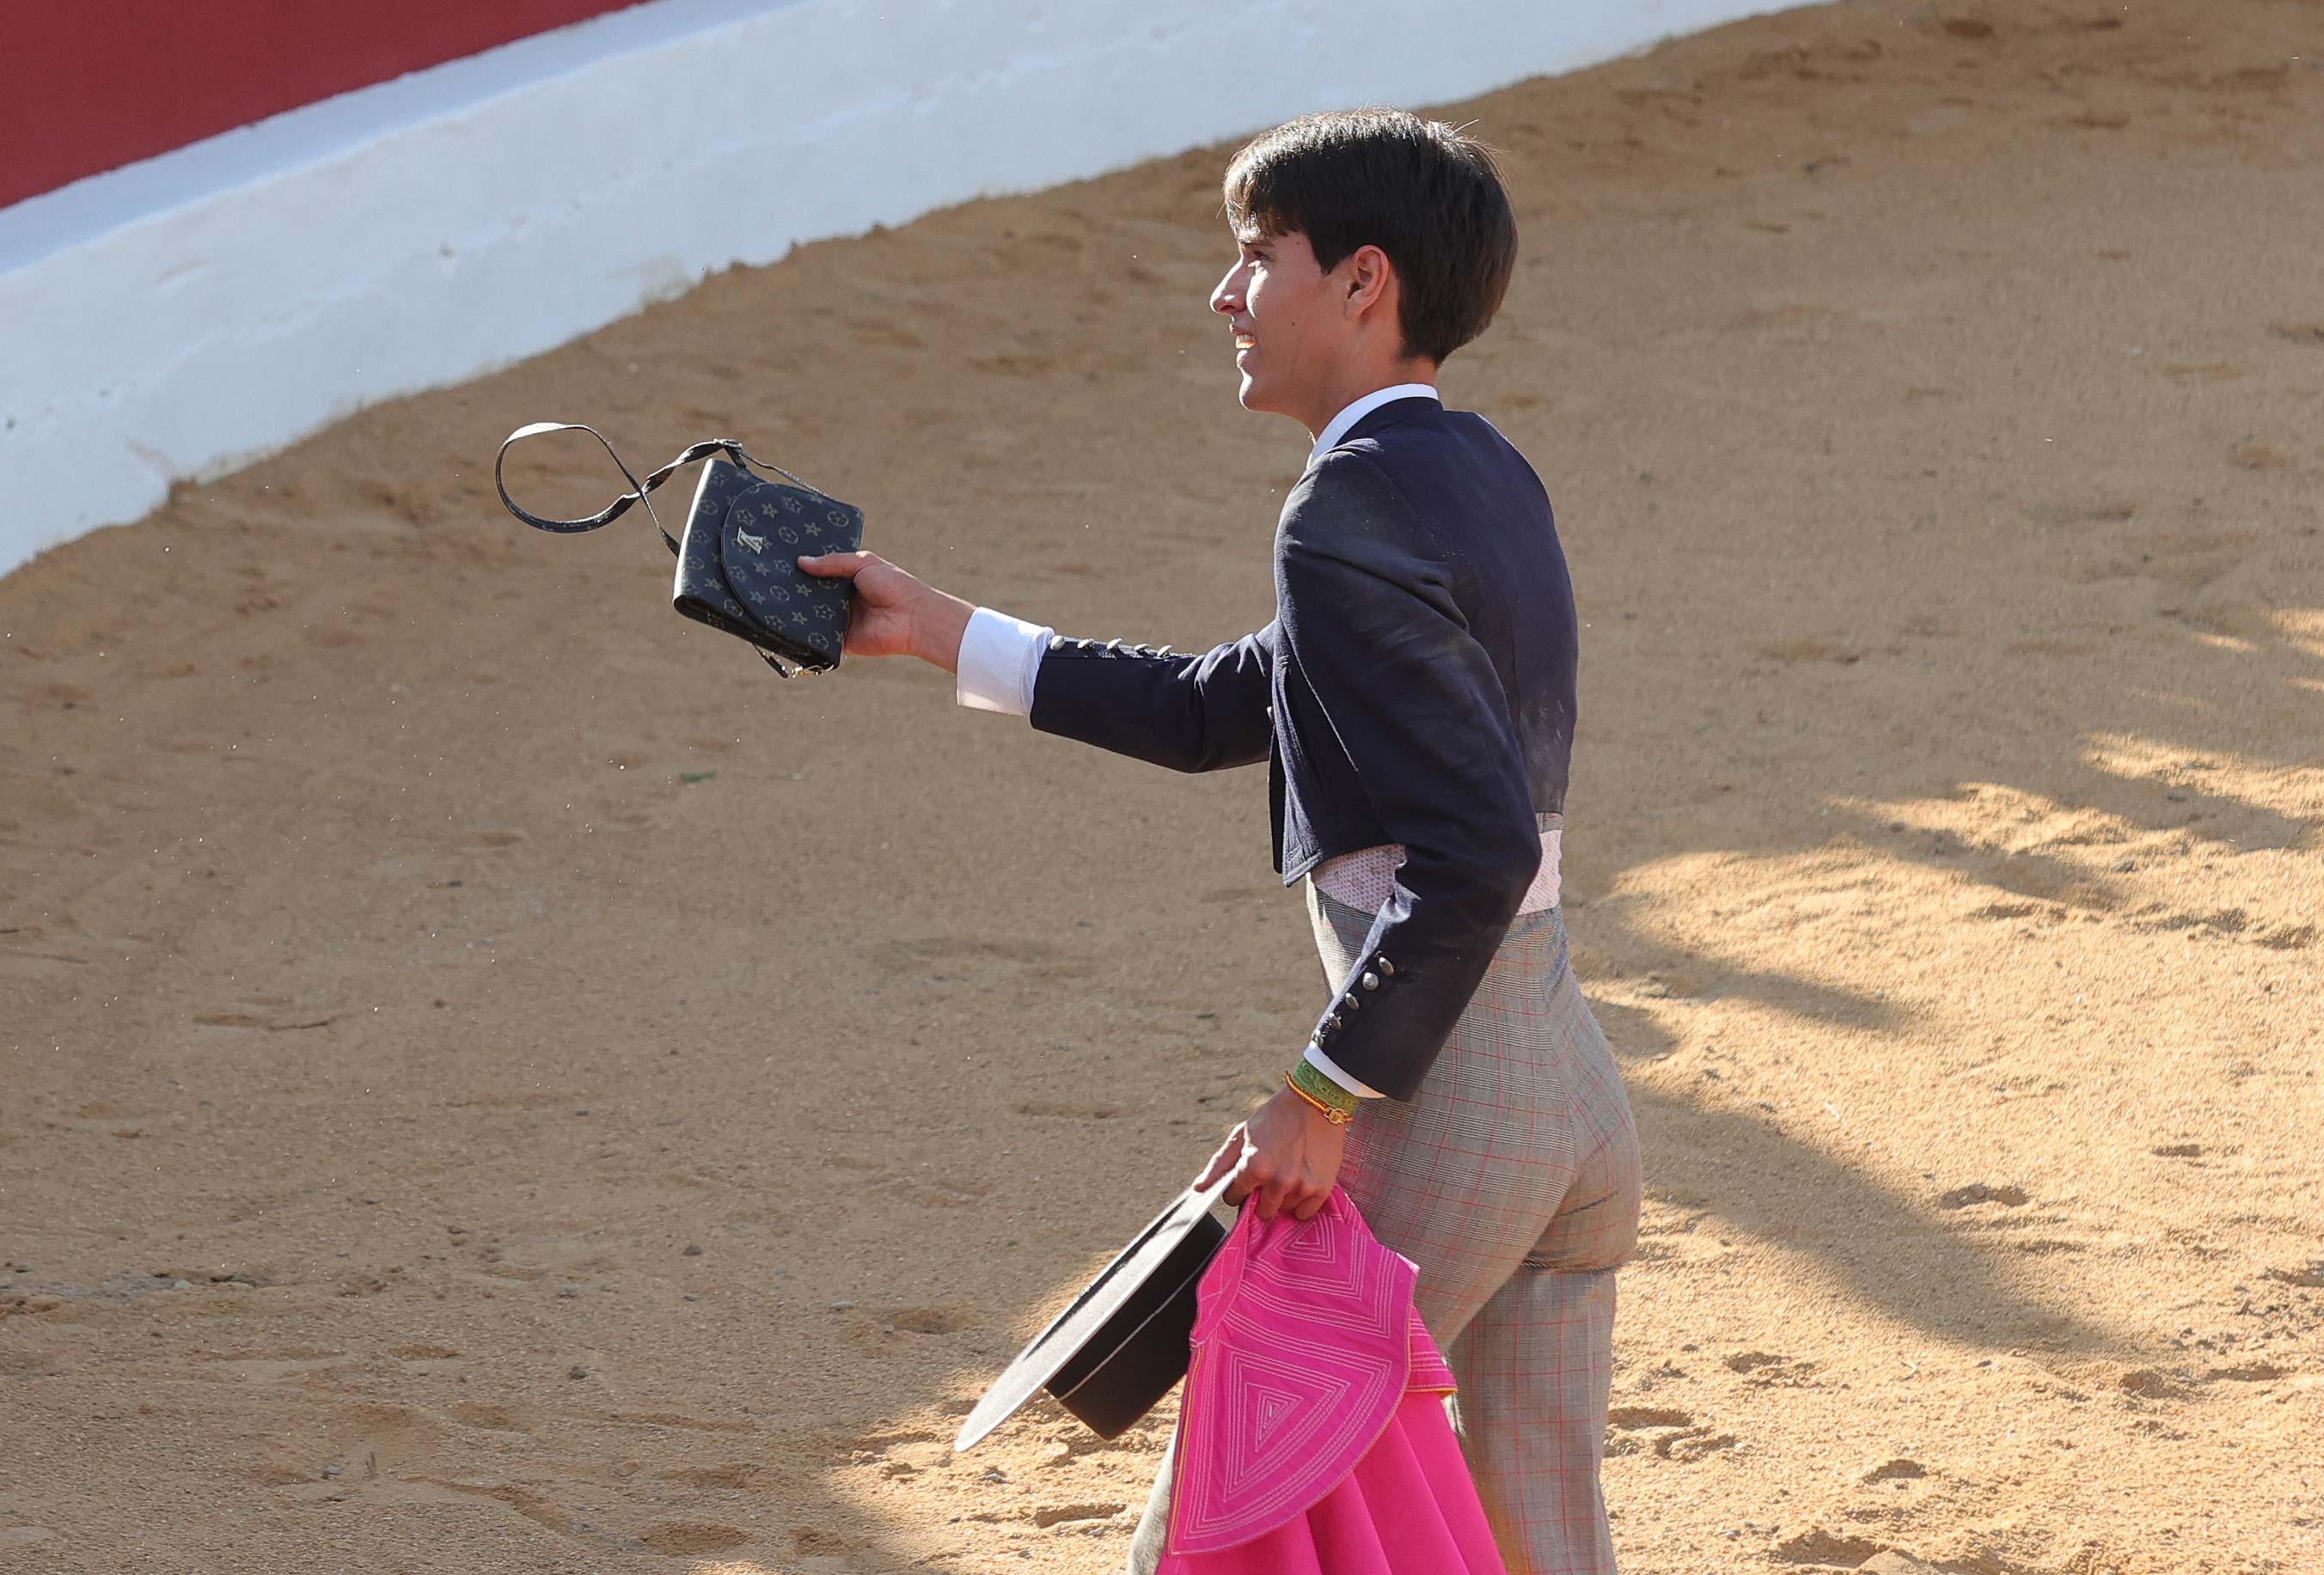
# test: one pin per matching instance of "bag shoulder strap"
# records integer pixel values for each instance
(638, 489)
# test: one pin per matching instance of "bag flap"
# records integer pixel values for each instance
(743, 538)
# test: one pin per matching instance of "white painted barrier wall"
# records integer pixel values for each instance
(183, 316)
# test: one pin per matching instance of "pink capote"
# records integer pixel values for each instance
(1311, 1435)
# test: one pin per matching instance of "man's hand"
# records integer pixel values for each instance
(1288, 1153)
(895, 614)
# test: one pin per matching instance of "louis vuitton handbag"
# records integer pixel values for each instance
(737, 565)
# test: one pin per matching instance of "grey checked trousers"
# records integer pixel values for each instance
(1512, 1180)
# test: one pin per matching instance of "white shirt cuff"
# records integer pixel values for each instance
(999, 658)
(1325, 1064)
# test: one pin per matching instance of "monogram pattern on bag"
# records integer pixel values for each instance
(735, 579)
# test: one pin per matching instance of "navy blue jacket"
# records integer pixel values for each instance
(1415, 686)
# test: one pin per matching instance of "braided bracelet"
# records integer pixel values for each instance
(1310, 1084)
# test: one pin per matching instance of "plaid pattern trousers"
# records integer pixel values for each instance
(1512, 1180)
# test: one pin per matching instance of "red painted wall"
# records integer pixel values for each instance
(87, 86)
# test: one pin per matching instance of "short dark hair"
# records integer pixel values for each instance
(1428, 196)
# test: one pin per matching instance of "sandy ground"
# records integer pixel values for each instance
(491, 1079)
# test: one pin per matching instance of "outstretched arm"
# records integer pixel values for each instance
(1191, 712)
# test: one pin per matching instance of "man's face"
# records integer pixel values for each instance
(1278, 306)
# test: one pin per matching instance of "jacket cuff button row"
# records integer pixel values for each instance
(1111, 648)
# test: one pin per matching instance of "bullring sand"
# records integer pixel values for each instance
(491, 1079)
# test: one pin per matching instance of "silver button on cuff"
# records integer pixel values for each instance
(1371, 980)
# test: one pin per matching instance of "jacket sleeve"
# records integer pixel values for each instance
(1365, 604)
(1189, 713)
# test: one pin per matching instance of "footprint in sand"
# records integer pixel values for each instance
(2047, 912)
(1063, 1514)
(1899, 1471)
(1767, 1371)
(2149, 1383)
(736, 1478)
(1686, 1448)
(1672, 1433)
(945, 1319)
(1977, 1192)
(680, 1538)
(2247, 1373)
(537, 1507)
(1818, 1546)
(492, 1418)
(908, 1454)
(1646, 1418)
(2047, 1246)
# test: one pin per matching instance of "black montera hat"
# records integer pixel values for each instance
(1119, 1347)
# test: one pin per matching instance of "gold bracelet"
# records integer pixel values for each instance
(1337, 1118)
(1310, 1080)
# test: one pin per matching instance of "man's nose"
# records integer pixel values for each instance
(1228, 297)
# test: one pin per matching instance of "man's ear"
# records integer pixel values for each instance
(1371, 279)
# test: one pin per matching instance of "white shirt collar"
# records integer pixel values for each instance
(1340, 424)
